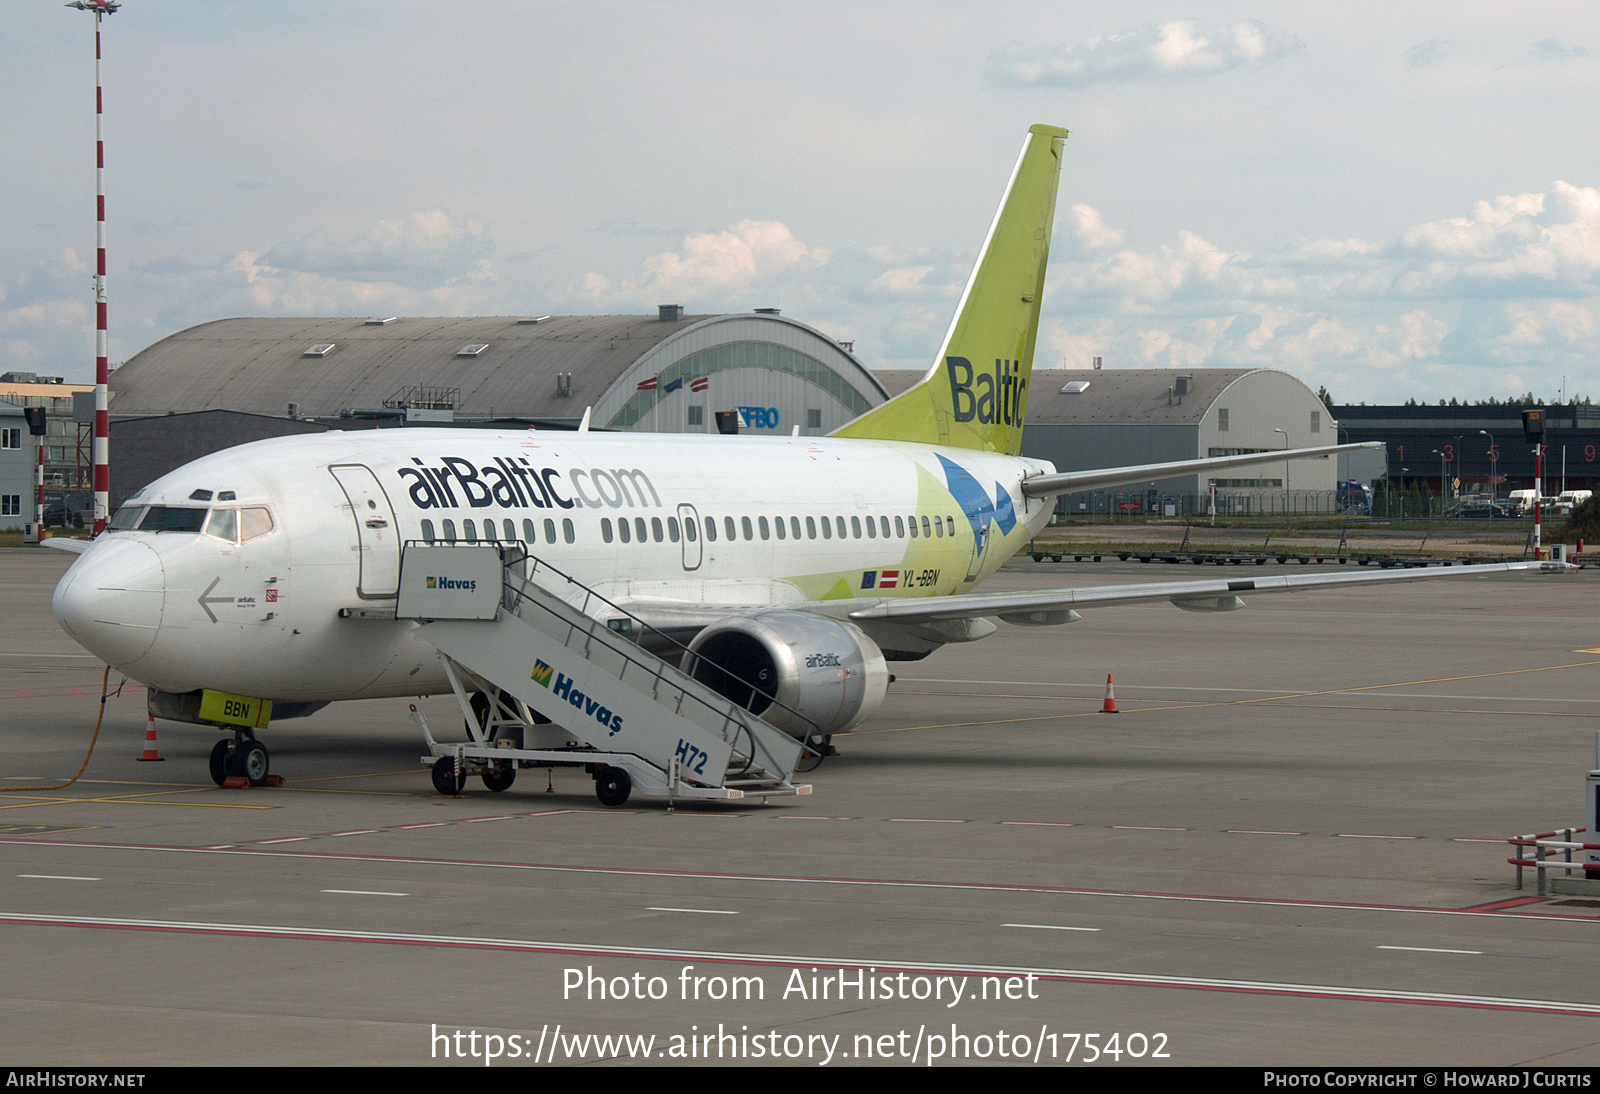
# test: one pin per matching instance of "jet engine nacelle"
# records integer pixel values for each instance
(824, 670)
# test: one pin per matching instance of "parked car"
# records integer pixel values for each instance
(66, 511)
(1480, 509)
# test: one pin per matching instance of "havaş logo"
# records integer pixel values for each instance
(586, 704)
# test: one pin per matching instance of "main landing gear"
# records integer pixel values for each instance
(244, 757)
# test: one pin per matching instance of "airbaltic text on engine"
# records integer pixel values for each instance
(517, 484)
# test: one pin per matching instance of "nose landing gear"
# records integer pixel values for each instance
(244, 757)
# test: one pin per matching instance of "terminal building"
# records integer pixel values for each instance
(1457, 450)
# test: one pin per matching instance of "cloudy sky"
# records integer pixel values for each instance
(1392, 200)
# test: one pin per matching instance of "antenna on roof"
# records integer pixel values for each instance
(583, 426)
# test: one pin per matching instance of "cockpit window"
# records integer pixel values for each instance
(171, 518)
(253, 522)
(200, 495)
(127, 518)
(227, 495)
(224, 524)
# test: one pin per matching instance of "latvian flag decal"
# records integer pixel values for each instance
(701, 384)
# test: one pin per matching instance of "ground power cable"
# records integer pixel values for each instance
(105, 689)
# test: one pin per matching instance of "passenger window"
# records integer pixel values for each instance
(568, 532)
(811, 527)
(884, 524)
(470, 530)
(655, 529)
(727, 526)
(449, 531)
(510, 527)
(913, 523)
(872, 528)
(550, 531)
(899, 529)
(639, 531)
(855, 527)
(827, 528)
(427, 531)
(950, 526)
(488, 531)
(794, 527)
(777, 526)
(766, 530)
(749, 533)
(622, 530)
(253, 523)
(224, 524)
(672, 529)
(528, 532)
(691, 531)
(938, 527)
(926, 531)
(605, 529)
(711, 529)
(840, 526)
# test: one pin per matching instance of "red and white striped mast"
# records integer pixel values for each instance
(102, 444)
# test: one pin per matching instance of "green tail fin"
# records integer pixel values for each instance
(976, 393)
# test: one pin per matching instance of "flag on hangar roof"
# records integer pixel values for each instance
(700, 384)
(647, 385)
(672, 385)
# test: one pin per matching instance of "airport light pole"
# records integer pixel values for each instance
(102, 445)
(1457, 490)
(1494, 471)
(1285, 433)
(1440, 479)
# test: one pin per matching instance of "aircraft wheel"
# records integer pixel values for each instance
(253, 762)
(445, 779)
(500, 776)
(612, 786)
(219, 761)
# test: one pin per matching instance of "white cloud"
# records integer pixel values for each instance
(1091, 229)
(712, 269)
(1428, 53)
(1549, 49)
(904, 281)
(1516, 281)
(416, 248)
(1182, 48)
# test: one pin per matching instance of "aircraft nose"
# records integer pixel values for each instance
(112, 599)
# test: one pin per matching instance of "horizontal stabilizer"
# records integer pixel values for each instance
(1069, 482)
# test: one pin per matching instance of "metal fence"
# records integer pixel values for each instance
(1396, 505)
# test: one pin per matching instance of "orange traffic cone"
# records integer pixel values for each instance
(150, 752)
(1110, 705)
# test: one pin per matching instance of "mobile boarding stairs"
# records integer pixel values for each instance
(541, 683)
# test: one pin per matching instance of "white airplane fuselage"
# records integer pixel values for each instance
(258, 612)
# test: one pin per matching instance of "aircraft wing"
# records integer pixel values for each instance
(1068, 482)
(66, 543)
(1214, 595)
